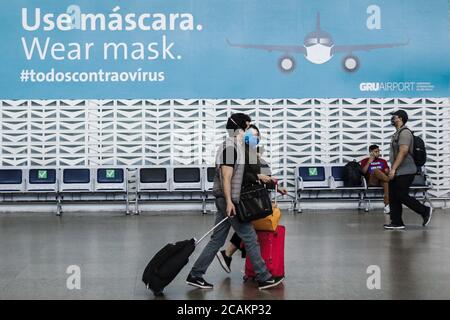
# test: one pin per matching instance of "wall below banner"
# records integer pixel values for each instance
(136, 133)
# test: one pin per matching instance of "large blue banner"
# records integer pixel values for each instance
(189, 49)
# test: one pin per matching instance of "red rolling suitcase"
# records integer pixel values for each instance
(272, 251)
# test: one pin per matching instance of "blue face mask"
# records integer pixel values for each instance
(250, 139)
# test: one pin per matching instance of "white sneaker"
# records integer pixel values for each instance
(387, 209)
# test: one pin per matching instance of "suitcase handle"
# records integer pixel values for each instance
(212, 229)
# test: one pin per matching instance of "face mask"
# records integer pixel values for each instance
(251, 140)
(393, 121)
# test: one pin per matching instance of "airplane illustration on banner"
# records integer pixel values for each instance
(318, 48)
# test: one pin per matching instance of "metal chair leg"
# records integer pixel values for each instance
(136, 205)
(367, 206)
(203, 203)
(58, 206)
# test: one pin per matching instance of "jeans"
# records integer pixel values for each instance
(245, 231)
(399, 194)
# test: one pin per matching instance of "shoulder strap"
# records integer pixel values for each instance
(400, 131)
(412, 133)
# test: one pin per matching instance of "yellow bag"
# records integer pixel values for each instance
(270, 222)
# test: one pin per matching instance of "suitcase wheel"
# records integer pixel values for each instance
(155, 293)
(158, 293)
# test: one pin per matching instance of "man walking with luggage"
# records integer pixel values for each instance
(402, 174)
(230, 165)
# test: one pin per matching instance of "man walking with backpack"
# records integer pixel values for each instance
(401, 175)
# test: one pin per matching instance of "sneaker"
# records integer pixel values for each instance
(272, 282)
(224, 260)
(392, 226)
(387, 209)
(427, 217)
(198, 282)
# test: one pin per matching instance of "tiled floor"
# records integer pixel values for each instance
(327, 255)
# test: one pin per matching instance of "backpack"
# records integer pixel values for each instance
(419, 153)
(352, 174)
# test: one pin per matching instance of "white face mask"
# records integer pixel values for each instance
(318, 53)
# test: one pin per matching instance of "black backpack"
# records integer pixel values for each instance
(419, 150)
(352, 174)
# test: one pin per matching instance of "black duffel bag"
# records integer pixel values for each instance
(254, 203)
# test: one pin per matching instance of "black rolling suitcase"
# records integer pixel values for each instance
(168, 262)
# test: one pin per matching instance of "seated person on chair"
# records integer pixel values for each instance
(376, 171)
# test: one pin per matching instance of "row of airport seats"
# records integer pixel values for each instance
(137, 185)
(325, 182)
(132, 183)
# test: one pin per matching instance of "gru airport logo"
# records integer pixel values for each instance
(387, 86)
